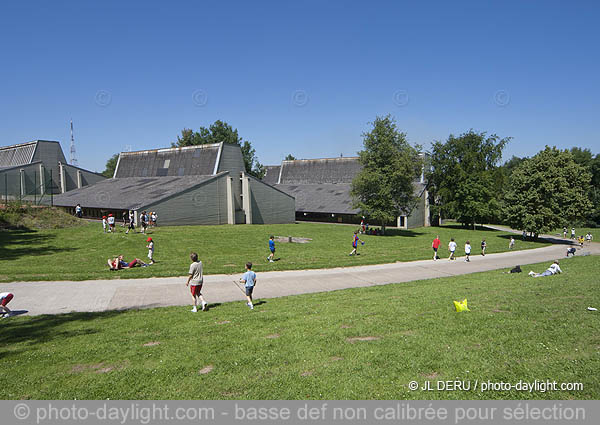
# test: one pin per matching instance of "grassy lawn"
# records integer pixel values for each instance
(80, 253)
(352, 344)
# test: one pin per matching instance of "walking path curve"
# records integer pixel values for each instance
(100, 295)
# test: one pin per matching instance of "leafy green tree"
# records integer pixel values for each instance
(585, 158)
(219, 132)
(546, 192)
(463, 178)
(289, 157)
(383, 189)
(111, 164)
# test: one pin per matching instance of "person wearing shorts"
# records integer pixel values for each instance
(355, 241)
(111, 223)
(435, 245)
(195, 280)
(119, 263)
(5, 298)
(144, 220)
(271, 256)
(483, 247)
(131, 225)
(452, 248)
(249, 279)
(150, 247)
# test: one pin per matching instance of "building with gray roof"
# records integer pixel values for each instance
(37, 170)
(322, 188)
(204, 184)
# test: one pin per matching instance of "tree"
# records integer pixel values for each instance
(111, 164)
(384, 188)
(289, 157)
(585, 158)
(546, 192)
(463, 178)
(219, 132)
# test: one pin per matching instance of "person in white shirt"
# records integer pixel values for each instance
(452, 248)
(150, 247)
(104, 223)
(589, 237)
(552, 270)
(467, 251)
(111, 223)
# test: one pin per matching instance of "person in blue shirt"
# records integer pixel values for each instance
(249, 279)
(271, 248)
(355, 241)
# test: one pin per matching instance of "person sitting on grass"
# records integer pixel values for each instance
(5, 298)
(119, 263)
(552, 270)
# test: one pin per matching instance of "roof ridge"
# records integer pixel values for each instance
(173, 149)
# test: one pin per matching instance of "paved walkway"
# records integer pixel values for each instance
(99, 295)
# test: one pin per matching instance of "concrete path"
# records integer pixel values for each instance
(99, 295)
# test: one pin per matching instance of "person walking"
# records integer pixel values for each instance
(435, 245)
(195, 281)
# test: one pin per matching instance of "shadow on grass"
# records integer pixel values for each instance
(461, 227)
(46, 328)
(29, 242)
(541, 240)
(399, 232)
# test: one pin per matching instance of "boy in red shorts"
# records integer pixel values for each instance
(195, 281)
(5, 298)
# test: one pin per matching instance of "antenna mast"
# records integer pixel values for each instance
(72, 158)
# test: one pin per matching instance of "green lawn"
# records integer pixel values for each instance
(365, 343)
(80, 253)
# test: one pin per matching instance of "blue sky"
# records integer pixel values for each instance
(304, 78)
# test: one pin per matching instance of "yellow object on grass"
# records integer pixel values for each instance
(461, 305)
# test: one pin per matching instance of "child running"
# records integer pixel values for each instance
(467, 251)
(511, 244)
(355, 241)
(271, 248)
(483, 247)
(452, 248)
(195, 281)
(249, 279)
(435, 245)
(104, 223)
(150, 247)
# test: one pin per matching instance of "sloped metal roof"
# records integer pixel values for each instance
(198, 160)
(129, 193)
(271, 174)
(325, 198)
(15, 155)
(317, 171)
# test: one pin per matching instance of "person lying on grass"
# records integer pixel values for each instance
(119, 263)
(552, 270)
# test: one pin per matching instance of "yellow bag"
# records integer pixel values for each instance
(461, 305)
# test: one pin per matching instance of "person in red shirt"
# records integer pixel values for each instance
(435, 245)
